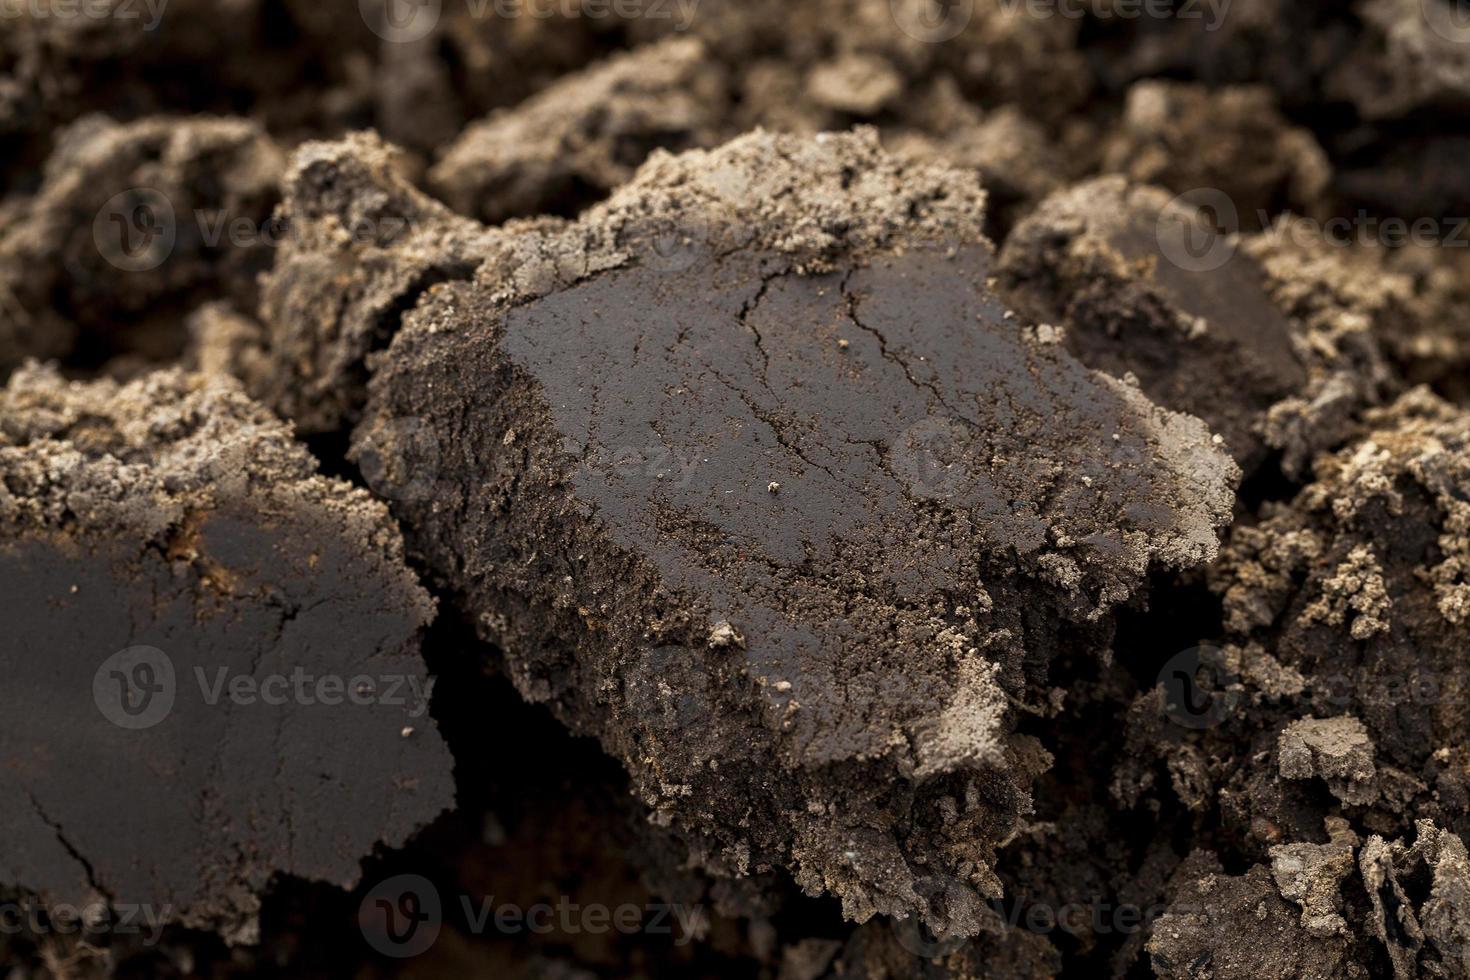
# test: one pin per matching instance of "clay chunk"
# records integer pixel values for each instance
(1240, 928)
(1160, 287)
(585, 135)
(751, 476)
(208, 648)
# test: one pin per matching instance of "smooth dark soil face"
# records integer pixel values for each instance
(163, 814)
(1009, 534)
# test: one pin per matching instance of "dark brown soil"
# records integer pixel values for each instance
(838, 488)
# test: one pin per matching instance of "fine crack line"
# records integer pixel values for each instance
(929, 386)
(61, 839)
(770, 422)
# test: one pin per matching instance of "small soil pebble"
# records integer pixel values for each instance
(209, 649)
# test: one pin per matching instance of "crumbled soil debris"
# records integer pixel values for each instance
(1346, 708)
(130, 59)
(1238, 926)
(1367, 562)
(365, 246)
(1408, 57)
(885, 488)
(1413, 298)
(180, 209)
(1018, 162)
(1186, 136)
